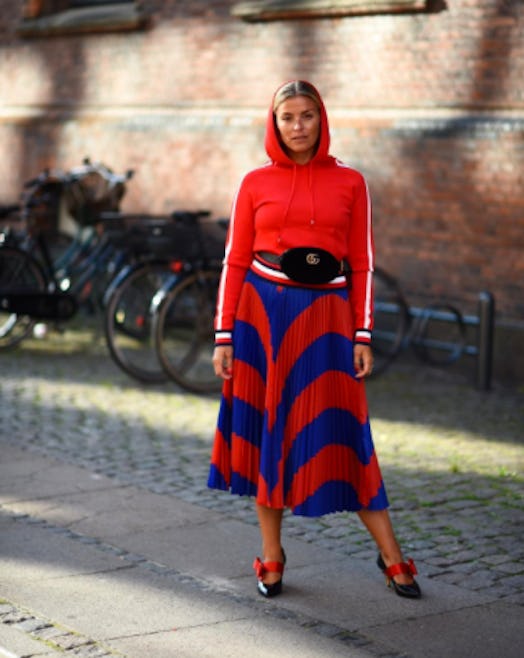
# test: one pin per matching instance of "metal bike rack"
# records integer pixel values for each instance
(482, 348)
(485, 333)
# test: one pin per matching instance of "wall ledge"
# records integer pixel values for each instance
(267, 10)
(116, 17)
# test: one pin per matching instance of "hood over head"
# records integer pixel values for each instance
(273, 145)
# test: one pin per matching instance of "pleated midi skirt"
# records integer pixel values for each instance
(293, 428)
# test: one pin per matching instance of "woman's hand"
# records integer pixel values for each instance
(363, 360)
(223, 361)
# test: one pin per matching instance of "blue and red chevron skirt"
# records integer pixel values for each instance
(293, 428)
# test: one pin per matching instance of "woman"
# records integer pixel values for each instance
(293, 346)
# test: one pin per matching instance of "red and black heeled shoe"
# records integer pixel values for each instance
(270, 566)
(411, 591)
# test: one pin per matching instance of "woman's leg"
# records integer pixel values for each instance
(270, 522)
(378, 524)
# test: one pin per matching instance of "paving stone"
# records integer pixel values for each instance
(510, 567)
(513, 581)
(31, 625)
(452, 577)
(48, 633)
(495, 560)
(460, 555)
(70, 641)
(478, 580)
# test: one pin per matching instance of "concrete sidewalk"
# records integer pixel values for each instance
(92, 566)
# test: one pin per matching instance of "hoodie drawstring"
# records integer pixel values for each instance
(310, 188)
(292, 193)
(288, 204)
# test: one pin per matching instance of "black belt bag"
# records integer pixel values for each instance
(309, 265)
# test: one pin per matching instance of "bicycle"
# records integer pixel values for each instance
(183, 330)
(32, 286)
(22, 274)
(167, 251)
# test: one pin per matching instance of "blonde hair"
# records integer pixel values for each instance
(295, 88)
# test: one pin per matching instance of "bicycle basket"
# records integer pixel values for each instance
(90, 193)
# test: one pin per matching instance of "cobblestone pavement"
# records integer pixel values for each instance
(452, 456)
(52, 636)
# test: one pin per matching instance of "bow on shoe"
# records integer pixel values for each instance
(261, 568)
(407, 568)
(411, 591)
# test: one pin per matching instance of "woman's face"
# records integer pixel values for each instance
(298, 122)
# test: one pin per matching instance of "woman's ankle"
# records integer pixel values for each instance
(273, 553)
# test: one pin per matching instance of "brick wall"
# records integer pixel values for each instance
(430, 106)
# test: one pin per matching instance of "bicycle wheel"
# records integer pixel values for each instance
(18, 272)
(128, 322)
(440, 335)
(184, 333)
(391, 320)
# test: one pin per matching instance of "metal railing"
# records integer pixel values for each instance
(442, 348)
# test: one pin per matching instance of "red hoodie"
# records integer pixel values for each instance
(323, 203)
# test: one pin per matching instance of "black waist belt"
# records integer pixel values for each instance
(274, 259)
